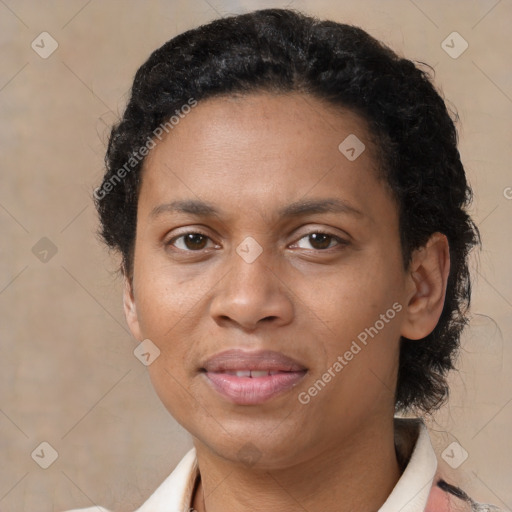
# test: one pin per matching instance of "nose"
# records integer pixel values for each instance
(250, 295)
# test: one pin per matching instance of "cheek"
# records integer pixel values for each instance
(176, 394)
(354, 296)
(359, 309)
(164, 296)
(165, 309)
(161, 312)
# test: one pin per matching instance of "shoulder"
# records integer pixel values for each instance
(174, 493)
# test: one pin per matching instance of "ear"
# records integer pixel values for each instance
(427, 281)
(130, 309)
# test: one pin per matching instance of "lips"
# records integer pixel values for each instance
(239, 360)
(250, 378)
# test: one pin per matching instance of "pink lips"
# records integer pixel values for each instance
(250, 378)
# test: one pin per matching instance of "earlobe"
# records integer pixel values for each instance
(130, 309)
(428, 277)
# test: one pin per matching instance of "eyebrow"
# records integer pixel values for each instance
(296, 209)
(312, 206)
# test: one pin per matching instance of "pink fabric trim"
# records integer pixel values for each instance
(438, 501)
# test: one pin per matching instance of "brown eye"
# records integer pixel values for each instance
(195, 241)
(320, 241)
(190, 242)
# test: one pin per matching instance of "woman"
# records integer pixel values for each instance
(291, 210)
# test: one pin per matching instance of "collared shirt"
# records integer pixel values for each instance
(415, 491)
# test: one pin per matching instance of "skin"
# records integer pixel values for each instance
(249, 157)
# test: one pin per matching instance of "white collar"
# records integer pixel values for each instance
(410, 494)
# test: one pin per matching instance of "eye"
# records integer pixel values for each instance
(192, 241)
(319, 240)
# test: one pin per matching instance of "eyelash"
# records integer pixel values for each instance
(339, 241)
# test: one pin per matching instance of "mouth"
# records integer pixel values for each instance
(251, 378)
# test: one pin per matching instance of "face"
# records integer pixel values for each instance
(262, 247)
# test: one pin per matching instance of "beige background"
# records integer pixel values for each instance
(68, 375)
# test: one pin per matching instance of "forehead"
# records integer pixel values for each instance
(298, 118)
(262, 148)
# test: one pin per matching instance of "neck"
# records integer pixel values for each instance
(356, 475)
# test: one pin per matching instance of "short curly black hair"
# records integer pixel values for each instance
(284, 50)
